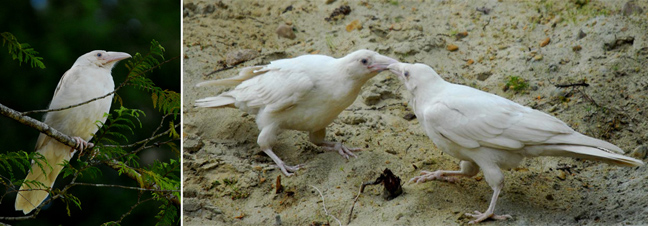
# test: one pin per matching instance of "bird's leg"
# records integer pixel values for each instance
(468, 169)
(266, 140)
(317, 138)
(495, 179)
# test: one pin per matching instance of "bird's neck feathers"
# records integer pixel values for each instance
(429, 86)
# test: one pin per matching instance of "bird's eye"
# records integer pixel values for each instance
(364, 61)
(406, 74)
(98, 54)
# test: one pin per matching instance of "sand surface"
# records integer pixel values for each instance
(229, 181)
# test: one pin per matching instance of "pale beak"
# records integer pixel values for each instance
(381, 62)
(396, 69)
(110, 57)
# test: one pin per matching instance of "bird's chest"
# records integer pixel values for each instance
(80, 120)
(320, 108)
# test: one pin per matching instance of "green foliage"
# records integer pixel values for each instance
(516, 84)
(21, 51)
(168, 214)
(167, 101)
(20, 160)
(122, 120)
(113, 148)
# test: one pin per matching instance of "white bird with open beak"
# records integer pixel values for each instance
(305, 93)
(490, 132)
(89, 77)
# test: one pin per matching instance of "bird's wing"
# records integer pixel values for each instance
(484, 119)
(42, 138)
(276, 90)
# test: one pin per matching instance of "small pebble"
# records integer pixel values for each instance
(545, 42)
(285, 31)
(452, 48)
(577, 48)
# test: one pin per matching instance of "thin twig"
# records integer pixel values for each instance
(572, 85)
(124, 187)
(219, 70)
(487, 23)
(354, 202)
(324, 205)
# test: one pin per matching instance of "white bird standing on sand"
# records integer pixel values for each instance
(490, 132)
(305, 93)
(88, 78)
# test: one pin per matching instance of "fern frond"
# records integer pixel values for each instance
(21, 51)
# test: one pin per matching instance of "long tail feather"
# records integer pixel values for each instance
(245, 74)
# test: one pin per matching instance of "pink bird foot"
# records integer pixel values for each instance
(289, 170)
(341, 149)
(483, 216)
(81, 145)
(436, 175)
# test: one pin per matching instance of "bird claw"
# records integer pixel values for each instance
(483, 216)
(341, 149)
(290, 170)
(428, 176)
(81, 145)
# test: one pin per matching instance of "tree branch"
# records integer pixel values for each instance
(132, 173)
(124, 187)
(38, 125)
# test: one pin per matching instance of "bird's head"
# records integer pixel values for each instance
(101, 58)
(413, 75)
(366, 63)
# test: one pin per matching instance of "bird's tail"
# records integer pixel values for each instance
(41, 178)
(215, 102)
(587, 152)
(245, 74)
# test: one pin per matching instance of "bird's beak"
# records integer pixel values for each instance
(110, 57)
(396, 68)
(381, 62)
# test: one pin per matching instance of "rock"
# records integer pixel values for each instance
(353, 119)
(192, 145)
(339, 13)
(553, 67)
(355, 24)
(640, 152)
(452, 47)
(212, 208)
(577, 48)
(239, 56)
(630, 8)
(375, 94)
(409, 116)
(545, 42)
(370, 98)
(285, 31)
(581, 34)
(484, 75)
(209, 9)
(191, 204)
(618, 42)
(405, 48)
(189, 9)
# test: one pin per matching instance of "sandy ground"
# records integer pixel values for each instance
(229, 181)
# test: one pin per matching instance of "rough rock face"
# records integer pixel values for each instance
(229, 181)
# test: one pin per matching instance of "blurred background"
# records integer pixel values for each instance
(61, 31)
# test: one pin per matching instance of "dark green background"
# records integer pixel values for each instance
(61, 32)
